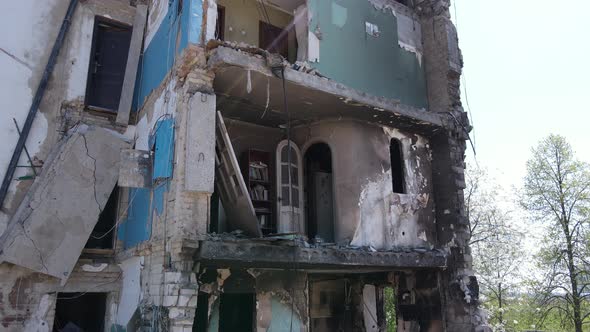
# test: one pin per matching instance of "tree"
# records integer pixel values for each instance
(496, 244)
(557, 194)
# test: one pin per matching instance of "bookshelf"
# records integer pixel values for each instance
(256, 167)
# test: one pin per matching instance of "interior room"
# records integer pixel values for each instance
(270, 25)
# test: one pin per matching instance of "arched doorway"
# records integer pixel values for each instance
(319, 195)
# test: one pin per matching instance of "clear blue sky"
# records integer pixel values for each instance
(527, 67)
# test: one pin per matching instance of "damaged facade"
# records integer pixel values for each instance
(233, 165)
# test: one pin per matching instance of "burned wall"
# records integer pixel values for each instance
(363, 194)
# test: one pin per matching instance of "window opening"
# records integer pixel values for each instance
(220, 25)
(108, 58)
(397, 166)
(102, 235)
(319, 196)
(80, 312)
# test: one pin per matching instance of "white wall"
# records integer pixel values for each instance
(28, 29)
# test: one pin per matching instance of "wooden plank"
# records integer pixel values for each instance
(233, 192)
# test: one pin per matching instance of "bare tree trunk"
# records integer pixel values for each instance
(576, 303)
(500, 303)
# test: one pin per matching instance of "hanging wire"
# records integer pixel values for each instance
(464, 85)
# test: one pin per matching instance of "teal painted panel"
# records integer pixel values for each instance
(376, 65)
(159, 56)
(283, 319)
(214, 318)
(163, 138)
(138, 225)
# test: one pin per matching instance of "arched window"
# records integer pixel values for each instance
(397, 166)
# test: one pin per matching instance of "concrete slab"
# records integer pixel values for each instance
(54, 221)
(317, 98)
(135, 170)
(200, 143)
(132, 64)
(253, 254)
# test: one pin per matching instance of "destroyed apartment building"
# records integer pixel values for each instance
(233, 165)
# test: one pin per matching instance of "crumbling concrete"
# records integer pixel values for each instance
(176, 276)
(53, 223)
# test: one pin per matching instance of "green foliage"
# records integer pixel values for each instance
(557, 196)
(389, 300)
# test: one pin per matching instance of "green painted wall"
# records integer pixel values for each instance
(375, 65)
(283, 318)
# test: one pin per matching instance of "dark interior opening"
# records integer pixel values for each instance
(273, 39)
(202, 313)
(102, 234)
(330, 309)
(397, 166)
(319, 196)
(237, 304)
(80, 311)
(108, 58)
(220, 24)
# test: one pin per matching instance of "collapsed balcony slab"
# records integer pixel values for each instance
(249, 91)
(261, 255)
(51, 226)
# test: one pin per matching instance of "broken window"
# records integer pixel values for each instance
(108, 58)
(80, 312)
(397, 166)
(319, 196)
(102, 234)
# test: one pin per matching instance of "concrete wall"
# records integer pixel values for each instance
(368, 213)
(387, 63)
(30, 29)
(27, 300)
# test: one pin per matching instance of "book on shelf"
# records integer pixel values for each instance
(259, 192)
(261, 210)
(258, 171)
(263, 221)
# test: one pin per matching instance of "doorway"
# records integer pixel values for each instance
(106, 71)
(289, 193)
(80, 311)
(237, 303)
(319, 195)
